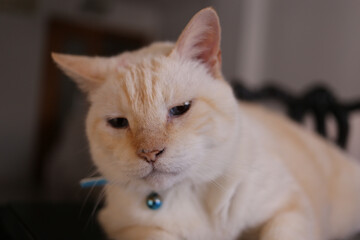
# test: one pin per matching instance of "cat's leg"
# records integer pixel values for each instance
(110, 224)
(143, 233)
(291, 223)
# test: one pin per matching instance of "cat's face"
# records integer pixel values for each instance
(146, 95)
(165, 115)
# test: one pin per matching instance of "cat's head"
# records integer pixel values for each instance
(162, 114)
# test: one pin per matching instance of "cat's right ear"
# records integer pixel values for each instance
(200, 40)
(88, 72)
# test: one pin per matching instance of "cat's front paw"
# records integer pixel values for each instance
(143, 233)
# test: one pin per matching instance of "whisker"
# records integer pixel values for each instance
(92, 173)
(86, 199)
(92, 214)
(100, 198)
(218, 185)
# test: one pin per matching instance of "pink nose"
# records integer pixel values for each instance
(150, 155)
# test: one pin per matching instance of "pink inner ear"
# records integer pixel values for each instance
(88, 72)
(201, 40)
(209, 48)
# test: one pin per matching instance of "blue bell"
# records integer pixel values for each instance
(153, 201)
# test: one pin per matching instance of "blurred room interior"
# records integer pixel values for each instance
(44, 153)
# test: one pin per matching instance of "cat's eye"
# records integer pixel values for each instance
(180, 110)
(118, 122)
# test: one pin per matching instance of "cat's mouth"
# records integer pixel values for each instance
(160, 180)
(155, 173)
(160, 177)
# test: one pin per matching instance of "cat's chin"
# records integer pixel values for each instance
(159, 180)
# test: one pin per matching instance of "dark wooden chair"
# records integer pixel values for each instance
(318, 101)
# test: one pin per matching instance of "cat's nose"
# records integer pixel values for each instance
(150, 155)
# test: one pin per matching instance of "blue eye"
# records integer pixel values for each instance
(118, 122)
(180, 110)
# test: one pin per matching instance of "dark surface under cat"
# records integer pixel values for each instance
(43, 221)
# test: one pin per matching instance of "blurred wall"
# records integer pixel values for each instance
(310, 40)
(301, 42)
(21, 43)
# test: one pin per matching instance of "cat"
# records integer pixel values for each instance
(163, 119)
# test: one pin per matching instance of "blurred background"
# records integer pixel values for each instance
(43, 150)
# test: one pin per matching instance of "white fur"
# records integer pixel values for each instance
(254, 186)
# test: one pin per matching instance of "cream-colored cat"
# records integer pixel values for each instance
(163, 119)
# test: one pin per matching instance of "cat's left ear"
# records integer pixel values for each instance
(88, 72)
(200, 40)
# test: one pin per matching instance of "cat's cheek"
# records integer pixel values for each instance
(102, 135)
(103, 146)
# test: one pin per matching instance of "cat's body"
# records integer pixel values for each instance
(221, 167)
(287, 168)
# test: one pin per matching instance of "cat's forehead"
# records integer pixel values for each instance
(160, 78)
(142, 83)
(151, 85)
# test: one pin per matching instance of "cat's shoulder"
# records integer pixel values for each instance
(255, 111)
(275, 124)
